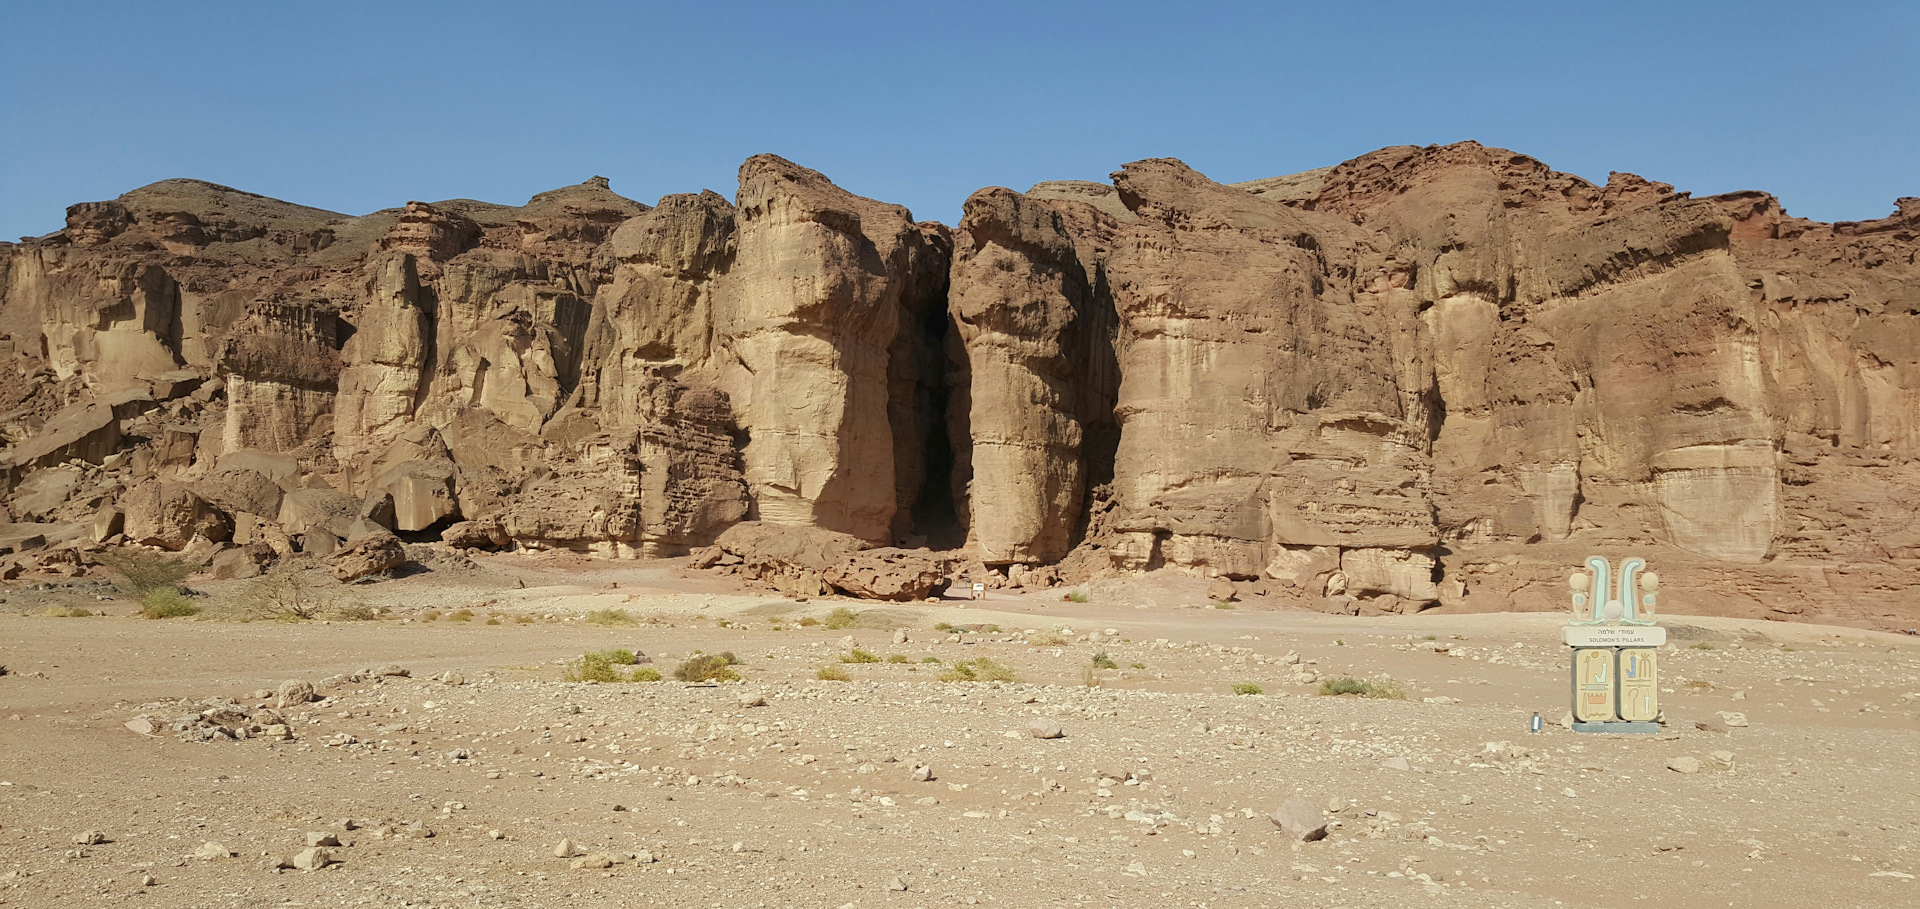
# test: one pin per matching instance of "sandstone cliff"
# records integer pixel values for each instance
(1426, 376)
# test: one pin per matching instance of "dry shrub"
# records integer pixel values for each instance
(708, 667)
(1382, 689)
(832, 674)
(146, 571)
(290, 595)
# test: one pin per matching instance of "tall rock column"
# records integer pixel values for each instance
(1021, 300)
(384, 362)
(805, 325)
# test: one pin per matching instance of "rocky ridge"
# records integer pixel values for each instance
(1424, 377)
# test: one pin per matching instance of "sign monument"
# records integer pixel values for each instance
(1613, 634)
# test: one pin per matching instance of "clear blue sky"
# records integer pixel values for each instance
(360, 106)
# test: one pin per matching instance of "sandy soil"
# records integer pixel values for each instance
(1157, 794)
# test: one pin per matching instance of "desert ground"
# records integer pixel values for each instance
(1787, 773)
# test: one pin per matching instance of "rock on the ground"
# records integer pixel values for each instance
(1299, 818)
(293, 693)
(370, 554)
(900, 575)
(481, 533)
(312, 858)
(792, 559)
(1044, 728)
(170, 516)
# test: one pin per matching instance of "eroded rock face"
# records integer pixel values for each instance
(1426, 375)
(1411, 371)
(171, 516)
(1267, 396)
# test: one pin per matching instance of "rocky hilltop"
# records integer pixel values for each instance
(1424, 378)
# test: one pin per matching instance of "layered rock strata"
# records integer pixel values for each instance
(1423, 376)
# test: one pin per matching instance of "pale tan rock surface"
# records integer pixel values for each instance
(1424, 376)
(1264, 398)
(822, 284)
(1027, 315)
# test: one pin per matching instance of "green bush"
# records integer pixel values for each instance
(1139, 665)
(859, 656)
(166, 603)
(897, 658)
(1102, 661)
(609, 617)
(807, 621)
(601, 666)
(832, 674)
(930, 659)
(592, 667)
(842, 617)
(1383, 689)
(1245, 688)
(710, 667)
(1075, 597)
